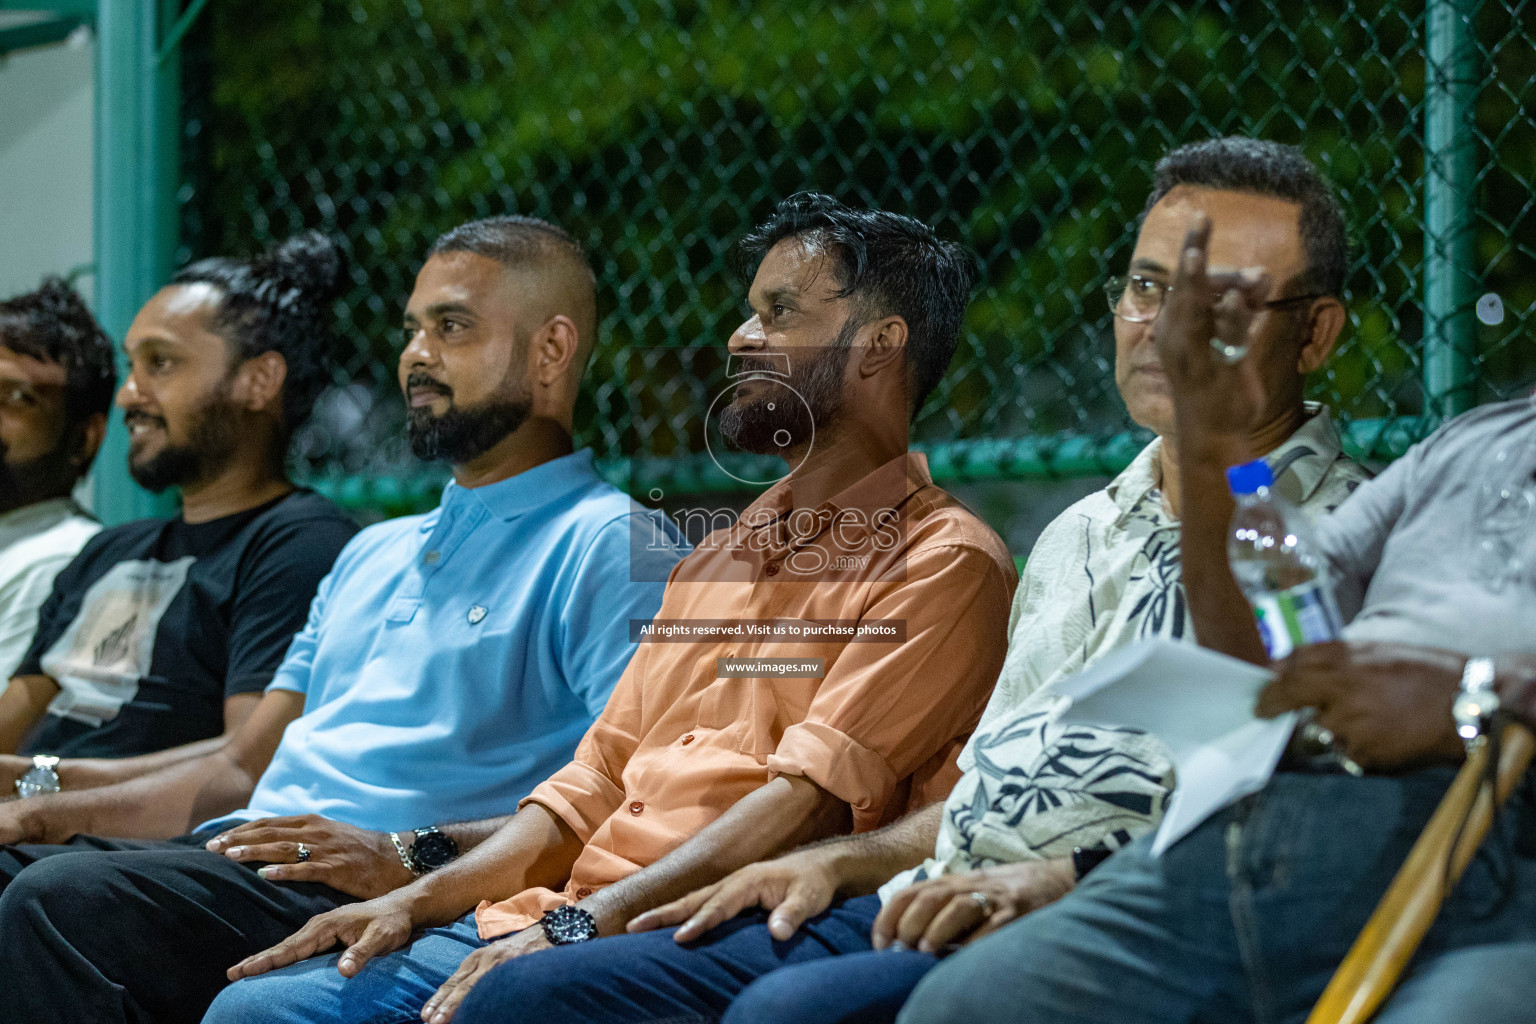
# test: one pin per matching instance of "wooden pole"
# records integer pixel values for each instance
(1387, 942)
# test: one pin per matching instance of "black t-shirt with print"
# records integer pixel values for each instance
(156, 622)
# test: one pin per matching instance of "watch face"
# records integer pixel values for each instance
(37, 781)
(565, 925)
(1471, 710)
(432, 850)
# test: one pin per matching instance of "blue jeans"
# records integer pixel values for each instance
(1246, 919)
(390, 989)
(738, 973)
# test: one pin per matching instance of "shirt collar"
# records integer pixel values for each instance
(1306, 456)
(544, 484)
(1299, 464)
(20, 523)
(1137, 480)
(40, 515)
(887, 486)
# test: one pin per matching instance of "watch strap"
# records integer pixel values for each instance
(405, 855)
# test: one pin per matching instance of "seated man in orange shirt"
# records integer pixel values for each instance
(891, 595)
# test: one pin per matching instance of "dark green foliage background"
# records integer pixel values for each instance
(659, 131)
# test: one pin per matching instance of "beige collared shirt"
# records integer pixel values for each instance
(1105, 573)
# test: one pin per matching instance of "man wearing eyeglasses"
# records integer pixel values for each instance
(1247, 917)
(1038, 804)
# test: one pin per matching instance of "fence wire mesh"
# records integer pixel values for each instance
(659, 131)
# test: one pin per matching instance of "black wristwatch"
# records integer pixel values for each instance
(1084, 861)
(431, 850)
(567, 925)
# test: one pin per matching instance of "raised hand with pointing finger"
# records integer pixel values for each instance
(1202, 337)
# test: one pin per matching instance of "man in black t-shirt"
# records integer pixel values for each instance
(157, 624)
(163, 633)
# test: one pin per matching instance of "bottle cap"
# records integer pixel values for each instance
(1249, 477)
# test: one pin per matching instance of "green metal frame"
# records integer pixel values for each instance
(1055, 457)
(137, 132)
(138, 129)
(1450, 174)
(137, 172)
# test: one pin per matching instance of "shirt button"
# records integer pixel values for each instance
(636, 807)
(431, 557)
(583, 892)
(687, 739)
(772, 568)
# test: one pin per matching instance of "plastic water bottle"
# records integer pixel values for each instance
(1276, 564)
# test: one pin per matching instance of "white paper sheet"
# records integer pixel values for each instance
(1200, 704)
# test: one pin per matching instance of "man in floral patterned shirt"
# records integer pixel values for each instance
(1039, 801)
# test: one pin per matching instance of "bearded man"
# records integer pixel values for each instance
(815, 667)
(56, 384)
(161, 634)
(450, 662)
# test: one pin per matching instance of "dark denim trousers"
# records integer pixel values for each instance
(739, 973)
(1247, 917)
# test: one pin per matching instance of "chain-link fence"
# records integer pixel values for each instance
(659, 131)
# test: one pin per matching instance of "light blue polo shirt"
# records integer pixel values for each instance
(452, 661)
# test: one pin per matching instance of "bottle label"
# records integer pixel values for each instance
(1294, 618)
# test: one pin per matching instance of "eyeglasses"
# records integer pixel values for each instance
(1139, 299)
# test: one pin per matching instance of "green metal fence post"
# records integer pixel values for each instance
(1450, 97)
(137, 136)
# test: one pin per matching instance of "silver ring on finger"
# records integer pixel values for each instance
(984, 902)
(303, 853)
(1229, 354)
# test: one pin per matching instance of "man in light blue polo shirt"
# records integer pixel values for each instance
(508, 591)
(450, 663)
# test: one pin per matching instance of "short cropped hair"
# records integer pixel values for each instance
(1239, 164)
(281, 302)
(888, 264)
(513, 240)
(516, 241)
(54, 325)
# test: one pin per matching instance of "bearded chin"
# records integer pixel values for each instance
(211, 446)
(47, 476)
(170, 467)
(459, 435)
(754, 427)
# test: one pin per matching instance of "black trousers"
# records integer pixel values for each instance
(100, 931)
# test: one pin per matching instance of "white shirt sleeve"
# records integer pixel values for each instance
(20, 598)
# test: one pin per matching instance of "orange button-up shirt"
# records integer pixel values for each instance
(880, 729)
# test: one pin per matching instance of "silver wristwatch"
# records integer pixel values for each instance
(42, 777)
(1476, 702)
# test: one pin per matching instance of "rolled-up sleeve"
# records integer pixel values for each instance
(886, 710)
(591, 787)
